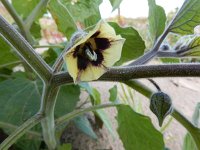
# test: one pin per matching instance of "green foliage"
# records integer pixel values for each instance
(188, 46)
(134, 45)
(62, 17)
(24, 7)
(187, 18)
(84, 125)
(113, 94)
(23, 103)
(84, 11)
(65, 147)
(189, 143)
(157, 19)
(7, 57)
(115, 4)
(136, 131)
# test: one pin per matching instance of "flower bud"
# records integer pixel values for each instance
(161, 106)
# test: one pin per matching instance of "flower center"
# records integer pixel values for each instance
(90, 54)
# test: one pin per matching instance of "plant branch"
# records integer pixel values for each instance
(141, 71)
(48, 46)
(151, 53)
(12, 127)
(79, 112)
(24, 50)
(18, 20)
(144, 90)
(36, 11)
(47, 107)
(11, 139)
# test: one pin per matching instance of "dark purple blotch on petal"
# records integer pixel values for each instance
(95, 34)
(75, 53)
(82, 62)
(102, 43)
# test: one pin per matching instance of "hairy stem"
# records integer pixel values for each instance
(18, 20)
(47, 107)
(141, 71)
(144, 90)
(79, 112)
(11, 139)
(12, 127)
(24, 50)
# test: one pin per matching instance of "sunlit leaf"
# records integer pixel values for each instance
(134, 45)
(115, 4)
(187, 18)
(189, 143)
(84, 11)
(157, 19)
(65, 147)
(24, 7)
(136, 131)
(113, 94)
(62, 17)
(188, 46)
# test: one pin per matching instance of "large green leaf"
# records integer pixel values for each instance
(20, 99)
(24, 7)
(62, 17)
(84, 11)
(157, 19)
(7, 58)
(134, 45)
(187, 18)
(115, 4)
(136, 131)
(67, 99)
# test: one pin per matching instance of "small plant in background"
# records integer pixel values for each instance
(38, 97)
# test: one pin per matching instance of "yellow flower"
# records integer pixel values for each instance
(89, 58)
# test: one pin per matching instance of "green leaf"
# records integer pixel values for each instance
(65, 147)
(170, 60)
(113, 94)
(115, 4)
(157, 19)
(84, 11)
(134, 45)
(36, 30)
(187, 18)
(27, 143)
(7, 58)
(67, 99)
(20, 99)
(5, 73)
(24, 7)
(62, 17)
(196, 116)
(189, 143)
(84, 125)
(136, 131)
(188, 46)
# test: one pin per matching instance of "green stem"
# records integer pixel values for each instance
(36, 11)
(79, 112)
(11, 139)
(140, 71)
(18, 20)
(12, 127)
(24, 50)
(48, 46)
(47, 107)
(144, 90)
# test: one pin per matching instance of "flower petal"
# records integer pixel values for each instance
(92, 73)
(72, 65)
(113, 54)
